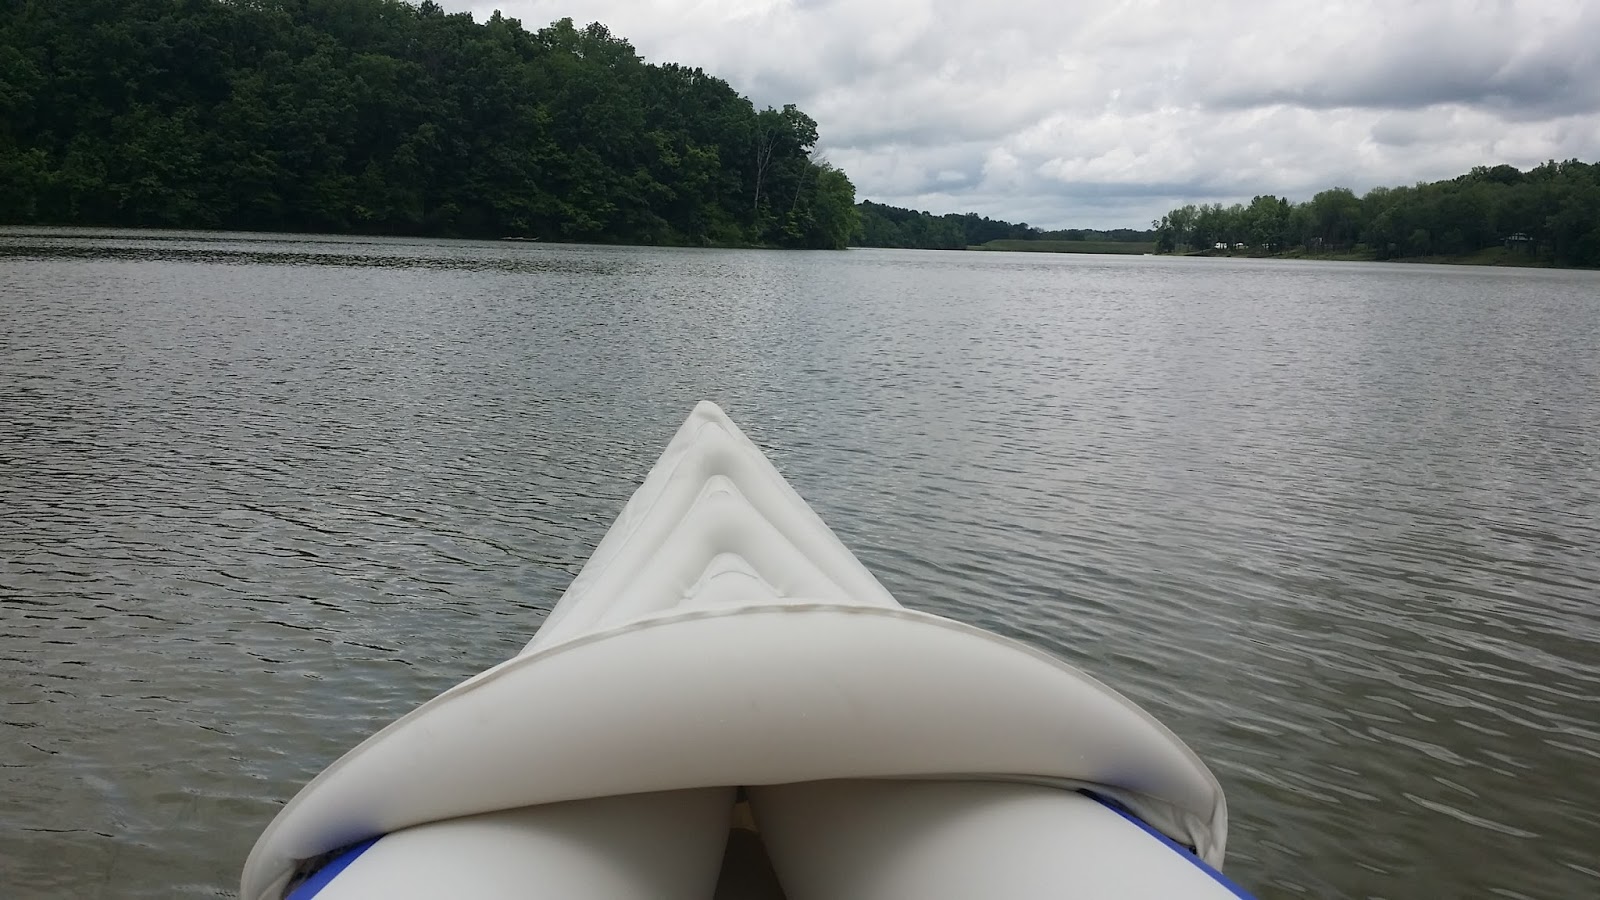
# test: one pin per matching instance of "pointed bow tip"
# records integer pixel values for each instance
(707, 414)
(707, 409)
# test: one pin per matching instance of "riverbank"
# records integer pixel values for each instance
(1492, 256)
(1124, 248)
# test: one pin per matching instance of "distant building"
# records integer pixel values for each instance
(1519, 241)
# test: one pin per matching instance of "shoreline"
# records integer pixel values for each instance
(1490, 258)
(158, 232)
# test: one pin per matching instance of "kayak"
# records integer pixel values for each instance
(726, 705)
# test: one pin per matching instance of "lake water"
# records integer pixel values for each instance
(1335, 524)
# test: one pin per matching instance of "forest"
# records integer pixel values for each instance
(383, 117)
(1549, 214)
(893, 226)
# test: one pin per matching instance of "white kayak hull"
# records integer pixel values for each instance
(722, 639)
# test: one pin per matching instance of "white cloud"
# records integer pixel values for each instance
(1109, 113)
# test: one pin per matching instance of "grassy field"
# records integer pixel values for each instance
(1489, 256)
(1068, 246)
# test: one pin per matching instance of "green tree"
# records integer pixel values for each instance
(1551, 212)
(1335, 219)
(387, 117)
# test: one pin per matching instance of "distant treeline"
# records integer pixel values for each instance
(380, 116)
(1550, 213)
(892, 226)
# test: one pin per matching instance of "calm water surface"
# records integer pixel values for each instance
(1335, 524)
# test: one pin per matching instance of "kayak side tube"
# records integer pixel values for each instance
(748, 696)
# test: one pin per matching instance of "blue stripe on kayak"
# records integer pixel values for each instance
(322, 877)
(1173, 845)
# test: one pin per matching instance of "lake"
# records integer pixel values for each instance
(1333, 523)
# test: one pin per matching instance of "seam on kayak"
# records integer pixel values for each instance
(324, 876)
(1174, 846)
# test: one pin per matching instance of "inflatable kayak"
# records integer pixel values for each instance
(726, 705)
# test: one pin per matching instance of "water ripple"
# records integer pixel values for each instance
(1331, 523)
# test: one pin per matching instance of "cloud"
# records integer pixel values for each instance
(1515, 57)
(1109, 114)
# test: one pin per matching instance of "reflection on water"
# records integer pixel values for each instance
(264, 249)
(1335, 524)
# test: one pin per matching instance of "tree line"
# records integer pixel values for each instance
(892, 226)
(379, 116)
(1550, 213)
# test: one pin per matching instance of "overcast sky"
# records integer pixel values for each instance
(1109, 113)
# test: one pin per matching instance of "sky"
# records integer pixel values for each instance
(1107, 114)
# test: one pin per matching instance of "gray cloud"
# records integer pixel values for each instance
(1108, 114)
(1515, 58)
